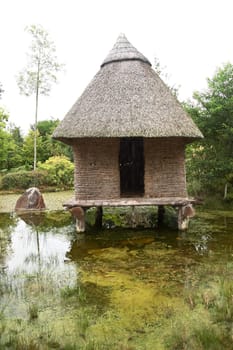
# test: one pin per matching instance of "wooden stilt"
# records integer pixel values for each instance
(79, 214)
(99, 217)
(80, 225)
(183, 218)
(161, 212)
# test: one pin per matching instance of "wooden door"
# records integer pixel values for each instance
(131, 161)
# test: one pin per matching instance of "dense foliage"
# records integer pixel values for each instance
(210, 161)
(23, 180)
(57, 173)
(16, 151)
(60, 171)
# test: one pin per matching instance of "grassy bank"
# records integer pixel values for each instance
(53, 200)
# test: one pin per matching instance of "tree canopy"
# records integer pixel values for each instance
(211, 160)
(16, 151)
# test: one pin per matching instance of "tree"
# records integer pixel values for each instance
(52, 147)
(28, 146)
(3, 138)
(9, 150)
(15, 158)
(46, 146)
(40, 72)
(212, 159)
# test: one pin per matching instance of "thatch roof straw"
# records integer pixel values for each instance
(126, 98)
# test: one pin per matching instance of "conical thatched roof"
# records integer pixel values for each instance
(126, 98)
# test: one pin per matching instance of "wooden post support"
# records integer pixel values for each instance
(182, 221)
(184, 213)
(161, 212)
(79, 214)
(80, 225)
(99, 217)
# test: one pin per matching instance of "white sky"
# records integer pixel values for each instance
(190, 37)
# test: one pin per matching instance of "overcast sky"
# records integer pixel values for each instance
(190, 37)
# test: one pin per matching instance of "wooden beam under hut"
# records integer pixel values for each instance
(184, 205)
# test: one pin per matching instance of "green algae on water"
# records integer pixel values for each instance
(115, 289)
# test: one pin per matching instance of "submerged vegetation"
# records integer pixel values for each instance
(117, 289)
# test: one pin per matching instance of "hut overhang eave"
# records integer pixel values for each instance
(71, 140)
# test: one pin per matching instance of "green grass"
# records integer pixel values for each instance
(83, 327)
(53, 200)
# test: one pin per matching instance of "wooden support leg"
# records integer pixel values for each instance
(80, 224)
(79, 214)
(183, 220)
(161, 212)
(99, 217)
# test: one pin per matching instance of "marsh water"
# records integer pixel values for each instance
(116, 288)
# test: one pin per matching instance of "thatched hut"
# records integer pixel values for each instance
(128, 134)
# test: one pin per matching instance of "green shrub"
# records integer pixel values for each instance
(60, 171)
(56, 171)
(23, 179)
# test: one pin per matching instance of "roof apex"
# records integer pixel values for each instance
(123, 50)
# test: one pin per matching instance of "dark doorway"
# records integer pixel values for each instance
(132, 166)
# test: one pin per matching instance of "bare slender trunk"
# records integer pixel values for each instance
(36, 114)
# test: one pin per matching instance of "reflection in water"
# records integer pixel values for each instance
(136, 285)
(87, 244)
(36, 253)
(28, 253)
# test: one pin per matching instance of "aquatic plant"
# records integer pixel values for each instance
(33, 312)
(76, 291)
(223, 307)
(119, 290)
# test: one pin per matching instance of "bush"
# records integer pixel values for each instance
(23, 179)
(60, 171)
(55, 172)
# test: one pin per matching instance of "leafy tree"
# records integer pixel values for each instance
(28, 146)
(52, 147)
(9, 155)
(211, 160)
(3, 138)
(16, 157)
(46, 146)
(16, 134)
(40, 72)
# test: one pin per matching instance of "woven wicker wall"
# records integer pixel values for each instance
(165, 168)
(97, 168)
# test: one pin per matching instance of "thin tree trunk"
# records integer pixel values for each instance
(36, 114)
